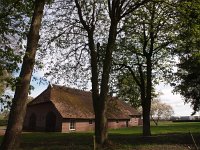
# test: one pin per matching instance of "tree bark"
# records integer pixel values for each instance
(145, 114)
(102, 134)
(146, 120)
(11, 139)
(100, 126)
(147, 103)
(148, 55)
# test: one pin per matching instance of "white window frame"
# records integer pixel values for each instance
(72, 125)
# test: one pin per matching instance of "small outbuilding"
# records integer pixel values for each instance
(64, 109)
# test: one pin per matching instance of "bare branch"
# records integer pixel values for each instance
(81, 16)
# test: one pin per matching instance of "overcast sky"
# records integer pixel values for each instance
(175, 100)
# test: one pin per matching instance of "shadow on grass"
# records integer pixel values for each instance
(167, 136)
(84, 141)
(155, 139)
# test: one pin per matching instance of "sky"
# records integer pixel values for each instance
(174, 100)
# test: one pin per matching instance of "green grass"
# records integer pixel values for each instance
(167, 135)
(163, 128)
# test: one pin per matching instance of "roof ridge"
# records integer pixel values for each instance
(78, 91)
(35, 100)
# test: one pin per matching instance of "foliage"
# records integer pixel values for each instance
(65, 50)
(189, 84)
(14, 20)
(18, 108)
(2, 81)
(128, 90)
(90, 31)
(136, 44)
(188, 50)
(145, 49)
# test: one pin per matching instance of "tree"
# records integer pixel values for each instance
(3, 81)
(147, 43)
(14, 20)
(127, 89)
(188, 74)
(117, 10)
(12, 30)
(92, 30)
(160, 110)
(18, 109)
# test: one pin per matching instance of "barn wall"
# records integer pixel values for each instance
(135, 121)
(62, 125)
(84, 125)
(80, 125)
(114, 124)
(41, 111)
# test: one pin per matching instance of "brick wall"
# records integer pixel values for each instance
(80, 125)
(41, 111)
(114, 124)
(84, 125)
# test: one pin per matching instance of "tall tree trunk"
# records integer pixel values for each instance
(101, 124)
(100, 98)
(146, 119)
(11, 139)
(145, 113)
(147, 103)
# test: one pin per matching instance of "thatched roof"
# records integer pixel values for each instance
(73, 103)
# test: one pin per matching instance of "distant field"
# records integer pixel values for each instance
(163, 128)
(166, 136)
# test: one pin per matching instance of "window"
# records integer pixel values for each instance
(90, 121)
(72, 125)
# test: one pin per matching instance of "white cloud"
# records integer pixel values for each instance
(175, 100)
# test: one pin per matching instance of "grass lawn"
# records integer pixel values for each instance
(166, 136)
(164, 127)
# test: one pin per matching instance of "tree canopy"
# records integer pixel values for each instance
(188, 72)
(92, 44)
(145, 49)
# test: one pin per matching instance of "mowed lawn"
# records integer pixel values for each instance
(166, 136)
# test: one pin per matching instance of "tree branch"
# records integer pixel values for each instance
(133, 8)
(81, 16)
(131, 71)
